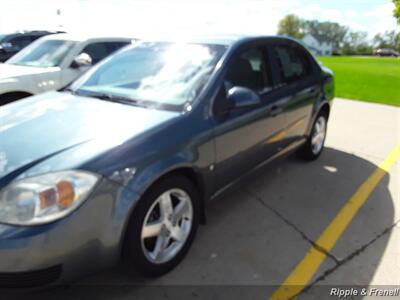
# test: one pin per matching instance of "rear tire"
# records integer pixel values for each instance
(314, 145)
(159, 235)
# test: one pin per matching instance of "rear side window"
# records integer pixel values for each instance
(293, 63)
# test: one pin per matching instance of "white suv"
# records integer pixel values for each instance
(51, 63)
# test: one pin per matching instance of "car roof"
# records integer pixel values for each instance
(30, 32)
(83, 38)
(216, 39)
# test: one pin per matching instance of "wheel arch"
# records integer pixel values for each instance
(194, 176)
(188, 172)
(325, 107)
(149, 177)
(13, 96)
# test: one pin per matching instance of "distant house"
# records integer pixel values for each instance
(317, 47)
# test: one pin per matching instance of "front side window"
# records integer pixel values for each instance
(43, 53)
(293, 64)
(20, 41)
(100, 50)
(248, 70)
(156, 74)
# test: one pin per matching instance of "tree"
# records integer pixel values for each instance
(388, 39)
(396, 11)
(356, 43)
(329, 32)
(291, 25)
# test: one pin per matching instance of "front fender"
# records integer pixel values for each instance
(146, 177)
(12, 85)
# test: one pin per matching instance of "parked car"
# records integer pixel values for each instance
(12, 43)
(386, 52)
(52, 62)
(122, 164)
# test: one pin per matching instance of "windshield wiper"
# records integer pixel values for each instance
(114, 98)
(108, 97)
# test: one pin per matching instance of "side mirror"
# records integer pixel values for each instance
(242, 98)
(82, 60)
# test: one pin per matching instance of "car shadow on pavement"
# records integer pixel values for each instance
(256, 235)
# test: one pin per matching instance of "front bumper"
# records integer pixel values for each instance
(85, 241)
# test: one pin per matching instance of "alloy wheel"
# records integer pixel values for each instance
(167, 226)
(318, 135)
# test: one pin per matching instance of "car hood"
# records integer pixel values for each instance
(10, 71)
(38, 128)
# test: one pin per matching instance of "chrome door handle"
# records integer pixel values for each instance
(275, 110)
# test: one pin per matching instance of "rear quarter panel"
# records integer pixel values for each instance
(328, 83)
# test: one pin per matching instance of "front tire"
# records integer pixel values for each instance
(162, 227)
(314, 145)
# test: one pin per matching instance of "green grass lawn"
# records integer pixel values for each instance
(369, 79)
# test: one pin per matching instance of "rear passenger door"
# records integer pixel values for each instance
(296, 76)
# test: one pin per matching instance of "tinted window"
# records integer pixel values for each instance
(293, 63)
(98, 51)
(114, 46)
(248, 70)
(20, 42)
(35, 37)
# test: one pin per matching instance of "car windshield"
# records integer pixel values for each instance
(43, 53)
(155, 74)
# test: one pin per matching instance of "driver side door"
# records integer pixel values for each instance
(243, 136)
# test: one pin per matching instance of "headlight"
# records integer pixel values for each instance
(45, 198)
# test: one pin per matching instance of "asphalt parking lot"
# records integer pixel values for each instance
(256, 237)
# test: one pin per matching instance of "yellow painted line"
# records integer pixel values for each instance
(306, 269)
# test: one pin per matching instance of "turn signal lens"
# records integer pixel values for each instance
(66, 194)
(63, 195)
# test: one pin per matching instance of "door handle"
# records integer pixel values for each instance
(313, 91)
(275, 110)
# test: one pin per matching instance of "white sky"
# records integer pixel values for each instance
(142, 17)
